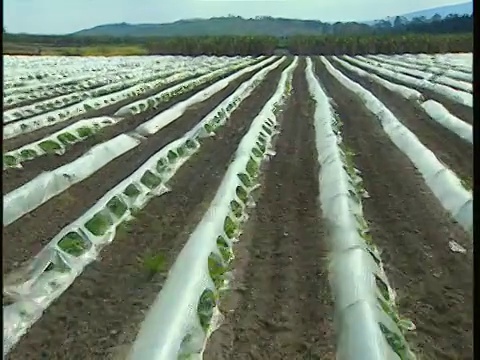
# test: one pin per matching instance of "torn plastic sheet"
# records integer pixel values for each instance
(57, 142)
(142, 105)
(173, 317)
(34, 287)
(352, 269)
(445, 185)
(166, 117)
(39, 190)
(404, 91)
(458, 96)
(441, 115)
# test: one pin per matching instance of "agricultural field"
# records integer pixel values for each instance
(168, 207)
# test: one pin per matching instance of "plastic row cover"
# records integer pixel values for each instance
(39, 190)
(458, 96)
(435, 78)
(55, 268)
(144, 104)
(444, 184)
(404, 91)
(34, 284)
(57, 142)
(51, 118)
(428, 67)
(176, 324)
(354, 268)
(166, 117)
(435, 110)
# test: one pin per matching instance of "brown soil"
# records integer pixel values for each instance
(434, 284)
(26, 236)
(13, 178)
(461, 111)
(281, 307)
(456, 153)
(99, 315)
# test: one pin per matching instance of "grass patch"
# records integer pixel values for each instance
(154, 264)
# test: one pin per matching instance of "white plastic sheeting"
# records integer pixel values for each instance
(48, 184)
(173, 316)
(352, 268)
(438, 112)
(444, 184)
(142, 105)
(434, 109)
(428, 74)
(37, 286)
(166, 117)
(61, 139)
(404, 91)
(33, 291)
(458, 96)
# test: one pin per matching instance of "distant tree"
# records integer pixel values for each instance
(436, 17)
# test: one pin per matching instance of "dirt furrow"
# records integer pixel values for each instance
(280, 307)
(447, 146)
(13, 178)
(461, 111)
(434, 284)
(99, 316)
(26, 236)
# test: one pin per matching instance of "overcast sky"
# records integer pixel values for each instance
(66, 16)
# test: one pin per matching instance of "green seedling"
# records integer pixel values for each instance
(150, 180)
(397, 343)
(142, 107)
(49, 146)
(252, 168)
(87, 107)
(162, 165)
(84, 132)
(467, 183)
(208, 128)
(151, 103)
(181, 151)
(23, 127)
(261, 146)
(216, 269)
(28, 154)
(242, 194)
(245, 179)
(132, 191)
(257, 153)
(205, 307)
(229, 227)
(225, 250)
(154, 264)
(67, 138)
(236, 208)
(172, 156)
(10, 160)
(267, 129)
(190, 144)
(99, 224)
(117, 206)
(73, 244)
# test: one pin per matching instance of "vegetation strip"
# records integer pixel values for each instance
(34, 292)
(445, 185)
(183, 316)
(362, 295)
